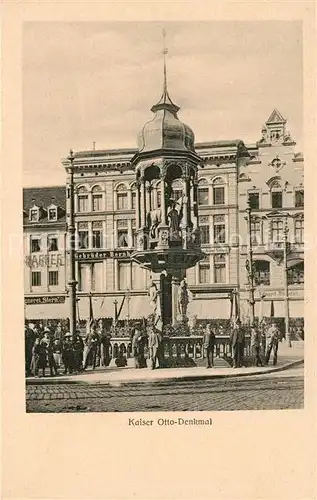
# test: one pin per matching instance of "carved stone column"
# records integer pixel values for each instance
(137, 206)
(143, 203)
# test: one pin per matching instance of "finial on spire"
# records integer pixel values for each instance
(165, 102)
(165, 51)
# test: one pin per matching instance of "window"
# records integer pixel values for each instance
(133, 226)
(52, 214)
(177, 189)
(122, 197)
(122, 233)
(124, 275)
(219, 229)
(53, 278)
(218, 191)
(35, 244)
(276, 195)
(36, 278)
(203, 192)
(82, 199)
(254, 201)
(299, 230)
(204, 229)
(277, 199)
(295, 275)
(96, 202)
(34, 215)
(158, 197)
(137, 277)
(133, 200)
(52, 243)
(83, 241)
(277, 231)
(204, 270)
(262, 272)
(96, 199)
(97, 234)
(299, 198)
(256, 232)
(220, 268)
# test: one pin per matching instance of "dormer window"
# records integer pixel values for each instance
(34, 214)
(52, 213)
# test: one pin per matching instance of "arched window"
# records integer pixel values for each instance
(276, 195)
(133, 196)
(177, 189)
(262, 272)
(96, 198)
(218, 191)
(82, 199)
(203, 192)
(295, 274)
(122, 197)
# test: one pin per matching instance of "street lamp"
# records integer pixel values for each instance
(71, 241)
(115, 303)
(286, 299)
(249, 264)
(128, 296)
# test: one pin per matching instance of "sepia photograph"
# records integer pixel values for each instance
(163, 217)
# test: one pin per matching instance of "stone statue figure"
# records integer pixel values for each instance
(183, 297)
(174, 217)
(154, 218)
(155, 300)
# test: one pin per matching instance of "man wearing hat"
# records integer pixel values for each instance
(155, 346)
(68, 354)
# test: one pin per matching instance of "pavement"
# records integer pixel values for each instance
(287, 358)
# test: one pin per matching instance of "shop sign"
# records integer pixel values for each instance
(103, 254)
(59, 299)
(45, 260)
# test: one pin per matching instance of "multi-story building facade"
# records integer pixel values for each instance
(45, 261)
(105, 202)
(272, 182)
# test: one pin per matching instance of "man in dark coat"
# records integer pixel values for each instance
(155, 346)
(209, 340)
(237, 338)
(78, 345)
(255, 346)
(272, 340)
(29, 337)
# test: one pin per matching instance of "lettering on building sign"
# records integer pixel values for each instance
(104, 254)
(60, 299)
(270, 294)
(36, 261)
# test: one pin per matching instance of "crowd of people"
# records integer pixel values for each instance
(52, 347)
(61, 352)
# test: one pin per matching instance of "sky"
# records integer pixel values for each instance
(96, 82)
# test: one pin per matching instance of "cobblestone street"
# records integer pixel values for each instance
(281, 390)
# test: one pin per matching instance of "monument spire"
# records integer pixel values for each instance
(165, 101)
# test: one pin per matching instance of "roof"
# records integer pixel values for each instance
(219, 144)
(43, 197)
(275, 117)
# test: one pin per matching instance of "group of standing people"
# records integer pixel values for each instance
(263, 343)
(62, 352)
(151, 338)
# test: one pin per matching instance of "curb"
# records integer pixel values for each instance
(187, 378)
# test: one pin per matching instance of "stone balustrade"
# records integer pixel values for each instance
(179, 347)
